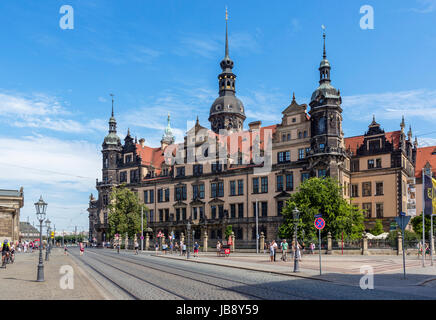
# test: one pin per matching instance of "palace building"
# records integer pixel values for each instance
(373, 168)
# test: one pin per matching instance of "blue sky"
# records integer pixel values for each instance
(163, 56)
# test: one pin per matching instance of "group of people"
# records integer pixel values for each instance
(273, 247)
(177, 246)
(8, 252)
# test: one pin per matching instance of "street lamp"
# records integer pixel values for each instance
(189, 234)
(47, 224)
(296, 214)
(40, 207)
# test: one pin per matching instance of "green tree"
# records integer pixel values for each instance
(228, 231)
(417, 225)
(321, 196)
(378, 228)
(124, 212)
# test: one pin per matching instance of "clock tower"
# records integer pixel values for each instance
(327, 153)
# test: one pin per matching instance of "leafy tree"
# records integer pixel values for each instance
(378, 228)
(124, 212)
(417, 225)
(321, 196)
(228, 231)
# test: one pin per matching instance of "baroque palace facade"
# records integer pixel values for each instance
(308, 142)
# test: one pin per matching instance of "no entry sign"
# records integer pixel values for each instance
(319, 223)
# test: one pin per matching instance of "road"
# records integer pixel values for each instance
(144, 276)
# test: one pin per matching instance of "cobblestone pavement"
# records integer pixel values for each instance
(18, 280)
(146, 276)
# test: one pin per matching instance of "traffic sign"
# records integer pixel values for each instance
(402, 221)
(319, 223)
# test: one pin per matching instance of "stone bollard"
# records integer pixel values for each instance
(147, 241)
(262, 241)
(205, 242)
(329, 243)
(399, 243)
(365, 251)
(233, 242)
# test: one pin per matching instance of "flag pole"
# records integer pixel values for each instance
(431, 223)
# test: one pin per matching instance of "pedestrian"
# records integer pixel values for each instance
(82, 248)
(164, 247)
(136, 246)
(419, 246)
(218, 248)
(271, 251)
(183, 249)
(284, 246)
(171, 247)
(156, 247)
(65, 250)
(275, 249)
(196, 247)
(312, 248)
(298, 251)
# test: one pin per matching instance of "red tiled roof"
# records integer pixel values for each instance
(150, 156)
(353, 143)
(422, 156)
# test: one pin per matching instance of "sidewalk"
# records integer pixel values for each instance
(18, 280)
(388, 270)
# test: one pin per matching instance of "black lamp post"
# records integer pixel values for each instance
(296, 214)
(47, 223)
(40, 207)
(189, 236)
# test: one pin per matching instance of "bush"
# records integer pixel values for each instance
(408, 236)
(378, 228)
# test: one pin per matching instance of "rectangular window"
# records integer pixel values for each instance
(279, 207)
(288, 156)
(264, 209)
(198, 169)
(194, 213)
(195, 192)
(255, 185)
(146, 196)
(180, 172)
(371, 164)
(233, 210)
(280, 157)
(354, 190)
(378, 163)
(159, 195)
(221, 211)
(167, 195)
(354, 166)
(366, 189)
(220, 189)
(322, 173)
(284, 156)
(307, 151)
(216, 167)
(167, 214)
(201, 213)
(213, 193)
(304, 176)
(151, 196)
(279, 183)
(264, 184)
(177, 214)
(289, 182)
(379, 210)
(184, 213)
(240, 187)
(123, 176)
(232, 188)
(160, 215)
(240, 210)
(379, 188)
(300, 154)
(213, 212)
(367, 209)
(151, 215)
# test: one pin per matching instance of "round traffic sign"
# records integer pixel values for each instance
(319, 223)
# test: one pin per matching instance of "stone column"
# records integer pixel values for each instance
(147, 241)
(233, 242)
(262, 242)
(399, 244)
(205, 241)
(329, 243)
(365, 245)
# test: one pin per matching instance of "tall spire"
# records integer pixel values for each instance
(227, 38)
(324, 67)
(168, 136)
(112, 95)
(324, 55)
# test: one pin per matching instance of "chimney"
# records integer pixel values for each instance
(255, 125)
(141, 142)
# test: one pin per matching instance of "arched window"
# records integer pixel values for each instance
(299, 135)
(284, 137)
(305, 134)
(228, 84)
(289, 136)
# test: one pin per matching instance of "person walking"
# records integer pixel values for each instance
(275, 249)
(65, 250)
(136, 247)
(156, 247)
(218, 248)
(284, 246)
(196, 247)
(298, 248)
(82, 248)
(183, 249)
(271, 251)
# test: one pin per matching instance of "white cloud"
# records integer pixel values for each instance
(426, 6)
(29, 105)
(426, 142)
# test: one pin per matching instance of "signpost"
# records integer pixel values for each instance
(402, 222)
(319, 224)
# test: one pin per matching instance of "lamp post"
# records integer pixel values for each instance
(296, 214)
(47, 224)
(40, 207)
(189, 234)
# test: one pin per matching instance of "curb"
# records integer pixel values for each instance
(248, 268)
